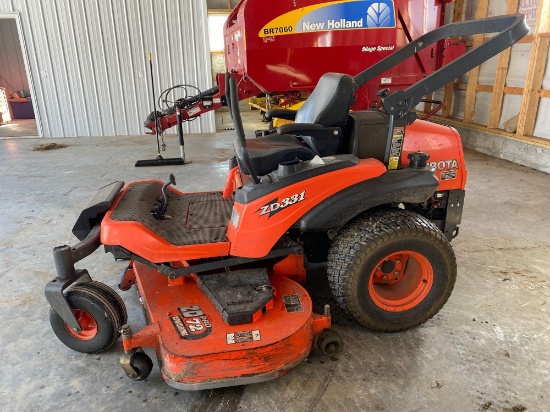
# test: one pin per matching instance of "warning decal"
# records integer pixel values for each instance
(241, 337)
(396, 146)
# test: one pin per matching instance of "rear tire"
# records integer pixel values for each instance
(96, 314)
(391, 270)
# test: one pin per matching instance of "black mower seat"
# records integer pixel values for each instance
(322, 118)
(319, 122)
(266, 153)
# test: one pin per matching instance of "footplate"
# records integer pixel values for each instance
(239, 296)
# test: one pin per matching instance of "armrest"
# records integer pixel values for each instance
(286, 114)
(299, 128)
(306, 129)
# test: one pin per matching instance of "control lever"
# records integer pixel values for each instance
(159, 214)
(383, 92)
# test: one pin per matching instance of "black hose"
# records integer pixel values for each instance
(154, 105)
(228, 93)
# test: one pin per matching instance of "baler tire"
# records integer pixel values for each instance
(370, 250)
(97, 317)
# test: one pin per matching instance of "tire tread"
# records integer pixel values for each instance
(360, 237)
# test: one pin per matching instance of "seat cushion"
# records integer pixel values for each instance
(267, 152)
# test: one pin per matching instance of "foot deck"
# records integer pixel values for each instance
(194, 218)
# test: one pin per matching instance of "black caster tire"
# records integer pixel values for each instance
(142, 364)
(392, 270)
(97, 315)
(330, 343)
(113, 297)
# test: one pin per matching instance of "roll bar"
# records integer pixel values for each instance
(511, 28)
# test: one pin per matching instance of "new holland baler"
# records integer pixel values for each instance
(281, 49)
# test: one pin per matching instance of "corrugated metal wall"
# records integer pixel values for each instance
(89, 64)
(12, 66)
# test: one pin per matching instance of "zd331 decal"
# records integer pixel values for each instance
(274, 206)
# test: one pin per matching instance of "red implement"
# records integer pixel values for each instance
(282, 50)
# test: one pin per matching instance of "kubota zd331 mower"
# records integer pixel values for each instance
(377, 194)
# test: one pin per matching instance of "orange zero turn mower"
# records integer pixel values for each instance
(377, 194)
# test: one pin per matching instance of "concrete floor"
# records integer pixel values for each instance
(19, 128)
(486, 350)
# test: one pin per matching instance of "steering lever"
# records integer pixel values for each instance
(159, 213)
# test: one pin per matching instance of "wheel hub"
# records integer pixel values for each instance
(390, 269)
(388, 266)
(400, 281)
(87, 323)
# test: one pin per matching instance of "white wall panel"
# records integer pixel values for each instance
(88, 60)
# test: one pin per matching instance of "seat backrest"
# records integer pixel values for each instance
(329, 103)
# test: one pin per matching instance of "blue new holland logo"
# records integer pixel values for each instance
(380, 15)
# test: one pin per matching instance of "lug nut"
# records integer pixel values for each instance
(384, 277)
(397, 262)
(396, 273)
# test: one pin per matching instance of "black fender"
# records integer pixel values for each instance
(395, 186)
(95, 210)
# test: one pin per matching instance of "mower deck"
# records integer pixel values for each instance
(198, 350)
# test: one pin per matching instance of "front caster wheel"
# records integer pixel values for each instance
(138, 366)
(98, 315)
(116, 301)
(330, 343)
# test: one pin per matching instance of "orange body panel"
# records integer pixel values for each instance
(291, 267)
(257, 233)
(230, 183)
(140, 240)
(282, 338)
(258, 230)
(444, 145)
